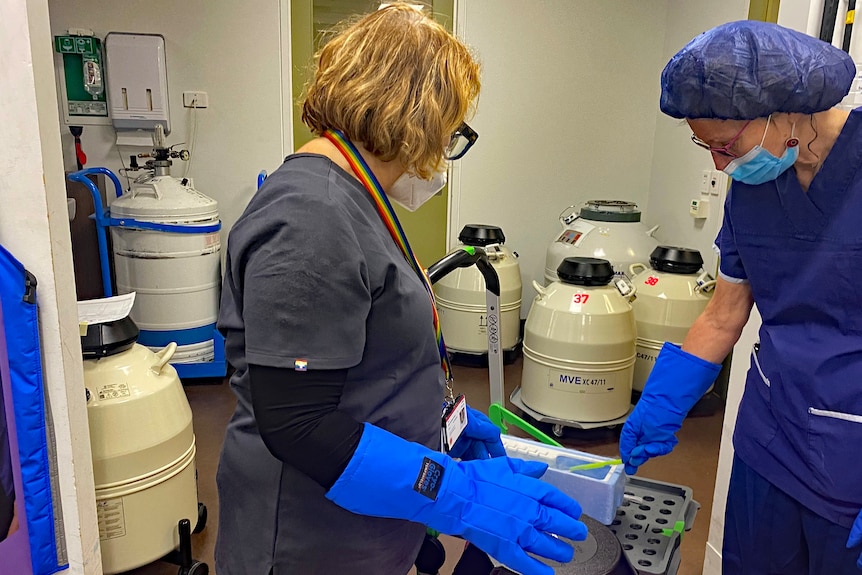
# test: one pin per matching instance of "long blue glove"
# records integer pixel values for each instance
(479, 440)
(855, 538)
(677, 381)
(498, 504)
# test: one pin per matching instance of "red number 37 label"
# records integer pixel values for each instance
(580, 298)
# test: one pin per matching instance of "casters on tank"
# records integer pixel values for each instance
(202, 518)
(558, 430)
(183, 555)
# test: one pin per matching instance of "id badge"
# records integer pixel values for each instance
(454, 422)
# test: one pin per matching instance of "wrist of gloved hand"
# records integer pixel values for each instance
(498, 504)
(855, 539)
(639, 443)
(677, 381)
(479, 440)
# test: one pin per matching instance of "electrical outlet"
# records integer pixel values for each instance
(195, 99)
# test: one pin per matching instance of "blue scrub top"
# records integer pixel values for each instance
(800, 420)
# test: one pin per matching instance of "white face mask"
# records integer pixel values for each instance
(410, 191)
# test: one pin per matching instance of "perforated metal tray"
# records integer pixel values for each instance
(650, 523)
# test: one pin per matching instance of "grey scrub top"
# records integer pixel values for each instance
(313, 276)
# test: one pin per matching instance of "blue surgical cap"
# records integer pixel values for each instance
(748, 69)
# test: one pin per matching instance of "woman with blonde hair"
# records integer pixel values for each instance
(332, 462)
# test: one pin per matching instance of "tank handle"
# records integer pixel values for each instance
(540, 288)
(164, 356)
(636, 266)
(652, 230)
(705, 286)
(568, 215)
(150, 189)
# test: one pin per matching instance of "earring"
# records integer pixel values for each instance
(792, 141)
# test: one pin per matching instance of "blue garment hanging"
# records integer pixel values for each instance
(21, 325)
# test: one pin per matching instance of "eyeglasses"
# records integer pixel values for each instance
(723, 150)
(461, 141)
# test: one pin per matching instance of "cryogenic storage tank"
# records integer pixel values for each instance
(604, 229)
(173, 264)
(143, 447)
(672, 292)
(579, 344)
(461, 294)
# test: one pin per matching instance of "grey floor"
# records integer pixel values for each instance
(693, 463)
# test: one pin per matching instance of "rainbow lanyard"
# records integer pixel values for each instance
(387, 214)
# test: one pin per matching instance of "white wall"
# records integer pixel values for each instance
(567, 113)
(802, 15)
(34, 226)
(677, 164)
(738, 370)
(231, 50)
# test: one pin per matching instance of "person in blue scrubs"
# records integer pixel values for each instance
(761, 99)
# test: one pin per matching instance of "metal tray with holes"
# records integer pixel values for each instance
(650, 522)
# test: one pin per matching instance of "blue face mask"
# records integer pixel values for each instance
(759, 166)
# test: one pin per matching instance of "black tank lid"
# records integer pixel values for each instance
(585, 271)
(481, 235)
(611, 211)
(113, 337)
(676, 260)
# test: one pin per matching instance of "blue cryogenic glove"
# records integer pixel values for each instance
(479, 440)
(855, 538)
(497, 504)
(677, 381)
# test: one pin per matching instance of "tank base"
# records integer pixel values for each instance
(559, 424)
(212, 372)
(474, 359)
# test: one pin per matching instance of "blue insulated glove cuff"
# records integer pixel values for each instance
(679, 379)
(498, 504)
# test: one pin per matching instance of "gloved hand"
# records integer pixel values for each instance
(855, 538)
(498, 504)
(479, 440)
(677, 381)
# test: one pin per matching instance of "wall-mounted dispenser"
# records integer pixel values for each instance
(137, 81)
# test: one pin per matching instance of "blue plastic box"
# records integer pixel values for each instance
(599, 491)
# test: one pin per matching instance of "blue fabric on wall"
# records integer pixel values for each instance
(21, 325)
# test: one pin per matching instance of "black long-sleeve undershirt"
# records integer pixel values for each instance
(297, 417)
